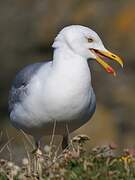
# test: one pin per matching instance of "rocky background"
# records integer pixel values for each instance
(27, 30)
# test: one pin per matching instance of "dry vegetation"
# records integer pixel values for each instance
(74, 163)
(26, 37)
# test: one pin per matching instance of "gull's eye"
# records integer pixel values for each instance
(90, 40)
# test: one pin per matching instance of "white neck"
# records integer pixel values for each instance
(68, 62)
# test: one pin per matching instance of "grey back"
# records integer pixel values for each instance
(19, 85)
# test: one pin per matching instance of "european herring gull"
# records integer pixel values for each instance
(59, 91)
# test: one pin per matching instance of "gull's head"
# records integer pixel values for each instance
(85, 42)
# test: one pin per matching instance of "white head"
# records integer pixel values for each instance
(86, 43)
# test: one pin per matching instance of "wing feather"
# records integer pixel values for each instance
(19, 87)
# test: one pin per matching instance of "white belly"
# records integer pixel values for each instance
(62, 98)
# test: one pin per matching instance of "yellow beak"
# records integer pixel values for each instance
(100, 55)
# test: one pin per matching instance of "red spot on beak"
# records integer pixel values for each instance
(111, 70)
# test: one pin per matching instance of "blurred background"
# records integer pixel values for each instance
(27, 31)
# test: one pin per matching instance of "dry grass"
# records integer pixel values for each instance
(74, 163)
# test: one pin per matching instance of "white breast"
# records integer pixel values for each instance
(61, 93)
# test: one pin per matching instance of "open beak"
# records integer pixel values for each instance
(102, 55)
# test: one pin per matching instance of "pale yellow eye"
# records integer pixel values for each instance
(90, 40)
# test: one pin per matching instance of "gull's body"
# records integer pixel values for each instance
(58, 92)
(51, 95)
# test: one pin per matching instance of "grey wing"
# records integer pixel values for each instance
(19, 87)
(92, 104)
(15, 96)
